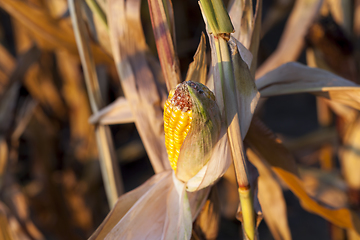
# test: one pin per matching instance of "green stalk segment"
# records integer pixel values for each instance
(226, 70)
(217, 17)
(246, 202)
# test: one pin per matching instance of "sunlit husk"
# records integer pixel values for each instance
(198, 145)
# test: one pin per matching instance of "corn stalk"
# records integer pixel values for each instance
(110, 172)
(219, 25)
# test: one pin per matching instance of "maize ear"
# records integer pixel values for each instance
(179, 111)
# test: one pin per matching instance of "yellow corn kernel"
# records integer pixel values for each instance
(177, 124)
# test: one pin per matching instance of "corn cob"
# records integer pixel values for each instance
(178, 117)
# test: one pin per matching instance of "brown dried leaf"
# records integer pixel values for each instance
(126, 202)
(255, 37)
(24, 62)
(46, 29)
(198, 68)
(117, 112)
(297, 78)
(7, 62)
(241, 14)
(283, 164)
(271, 199)
(206, 225)
(350, 154)
(162, 22)
(137, 80)
(292, 40)
(10, 228)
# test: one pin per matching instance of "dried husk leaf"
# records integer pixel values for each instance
(178, 222)
(247, 93)
(198, 68)
(129, 205)
(292, 40)
(118, 112)
(158, 209)
(296, 78)
(271, 199)
(137, 80)
(216, 167)
(198, 145)
(279, 160)
(244, 83)
(241, 15)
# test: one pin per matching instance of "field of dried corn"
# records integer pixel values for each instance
(260, 103)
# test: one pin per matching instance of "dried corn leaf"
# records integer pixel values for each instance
(255, 37)
(137, 80)
(292, 40)
(24, 62)
(198, 68)
(7, 62)
(207, 224)
(241, 14)
(296, 78)
(126, 202)
(341, 11)
(350, 154)
(162, 22)
(75, 96)
(3, 157)
(279, 160)
(10, 229)
(277, 11)
(271, 199)
(48, 30)
(110, 172)
(118, 112)
(155, 210)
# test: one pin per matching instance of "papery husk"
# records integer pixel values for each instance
(297, 78)
(158, 209)
(137, 80)
(198, 145)
(128, 204)
(216, 167)
(241, 14)
(247, 101)
(198, 68)
(247, 93)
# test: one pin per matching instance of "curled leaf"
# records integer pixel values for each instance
(297, 78)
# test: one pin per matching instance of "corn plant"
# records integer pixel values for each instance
(195, 131)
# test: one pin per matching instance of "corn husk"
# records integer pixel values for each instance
(198, 145)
